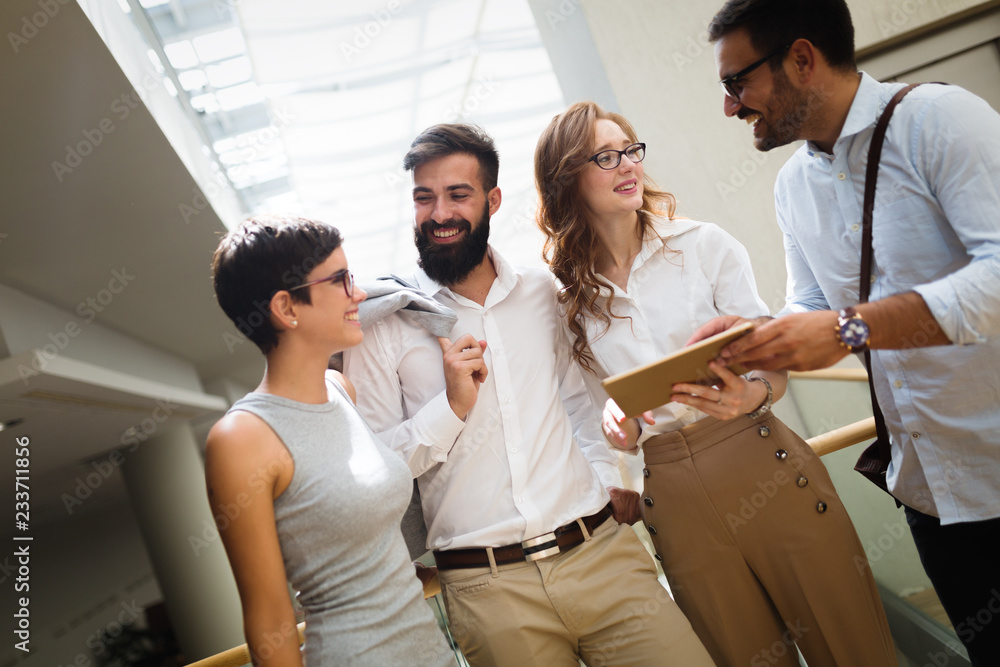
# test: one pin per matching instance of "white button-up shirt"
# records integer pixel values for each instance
(700, 273)
(936, 231)
(530, 455)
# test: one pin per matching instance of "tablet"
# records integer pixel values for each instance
(649, 386)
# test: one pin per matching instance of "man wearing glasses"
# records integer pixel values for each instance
(519, 489)
(933, 320)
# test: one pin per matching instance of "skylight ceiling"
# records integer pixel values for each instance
(311, 105)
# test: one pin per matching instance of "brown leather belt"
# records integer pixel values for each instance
(558, 541)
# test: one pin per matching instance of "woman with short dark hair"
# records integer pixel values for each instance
(301, 489)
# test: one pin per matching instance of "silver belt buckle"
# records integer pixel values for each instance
(540, 547)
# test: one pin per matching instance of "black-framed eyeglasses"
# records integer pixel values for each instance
(345, 276)
(731, 86)
(610, 159)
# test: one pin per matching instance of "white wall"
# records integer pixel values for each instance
(876, 21)
(662, 71)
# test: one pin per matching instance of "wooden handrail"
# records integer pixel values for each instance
(240, 655)
(432, 587)
(843, 437)
(844, 374)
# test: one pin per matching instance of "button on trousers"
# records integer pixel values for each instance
(758, 549)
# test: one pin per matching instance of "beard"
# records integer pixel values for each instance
(452, 263)
(789, 109)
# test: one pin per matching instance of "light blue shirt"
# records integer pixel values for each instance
(937, 232)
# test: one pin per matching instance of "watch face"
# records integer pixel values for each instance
(854, 333)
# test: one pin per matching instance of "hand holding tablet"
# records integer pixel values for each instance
(650, 386)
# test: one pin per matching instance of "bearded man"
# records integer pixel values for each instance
(932, 323)
(520, 493)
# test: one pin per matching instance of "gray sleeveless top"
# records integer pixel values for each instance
(338, 525)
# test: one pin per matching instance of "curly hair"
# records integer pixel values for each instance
(571, 246)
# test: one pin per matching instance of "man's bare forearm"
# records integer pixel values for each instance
(901, 322)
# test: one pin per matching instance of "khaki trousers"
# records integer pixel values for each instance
(758, 549)
(599, 602)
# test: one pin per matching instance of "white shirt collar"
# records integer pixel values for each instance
(507, 275)
(864, 113)
(656, 240)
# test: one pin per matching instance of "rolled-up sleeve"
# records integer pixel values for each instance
(957, 146)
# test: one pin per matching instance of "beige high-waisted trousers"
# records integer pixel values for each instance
(758, 549)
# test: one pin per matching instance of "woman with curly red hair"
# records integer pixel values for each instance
(757, 547)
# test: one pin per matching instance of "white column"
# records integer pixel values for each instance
(573, 52)
(165, 477)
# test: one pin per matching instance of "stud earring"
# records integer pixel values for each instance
(295, 323)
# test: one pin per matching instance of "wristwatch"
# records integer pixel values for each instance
(765, 407)
(852, 331)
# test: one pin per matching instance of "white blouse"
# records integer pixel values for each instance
(673, 288)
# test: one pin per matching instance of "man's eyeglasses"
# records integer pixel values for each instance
(345, 276)
(731, 84)
(610, 159)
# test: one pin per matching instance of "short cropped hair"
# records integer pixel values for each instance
(262, 256)
(449, 138)
(771, 24)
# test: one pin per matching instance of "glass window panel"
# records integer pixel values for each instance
(208, 103)
(155, 60)
(230, 72)
(239, 96)
(181, 55)
(192, 80)
(219, 45)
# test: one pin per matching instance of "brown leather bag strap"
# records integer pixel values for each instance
(871, 177)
